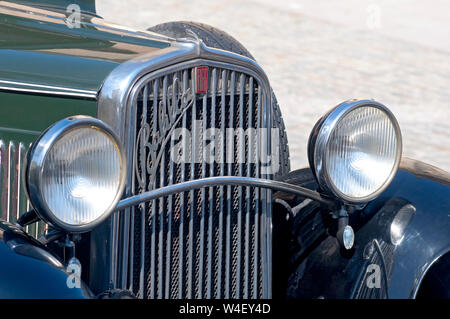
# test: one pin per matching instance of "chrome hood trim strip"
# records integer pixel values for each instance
(45, 89)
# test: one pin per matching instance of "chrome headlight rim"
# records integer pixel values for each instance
(321, 137)
(34, 167)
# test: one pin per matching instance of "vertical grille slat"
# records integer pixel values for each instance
(211, 189)
(222, 172)
(182, 212)
(152, 217)
(203, 208)
(161, 230)
(257, 196)
(4, 157)
(230, 149)
(205, 243)
(13, 200)
(15, 168)
(131, 248)
(247, 192)
(161, 213)
(170, 208)
(143, 188)
(191, 200)
(241, 160)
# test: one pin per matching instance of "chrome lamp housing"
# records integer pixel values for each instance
(354, 150)
(75, 173)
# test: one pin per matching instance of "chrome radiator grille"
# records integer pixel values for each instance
(13, 200)
(208, 243)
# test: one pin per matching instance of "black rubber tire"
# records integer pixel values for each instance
(219, 39)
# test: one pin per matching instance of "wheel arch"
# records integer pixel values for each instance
(429, 283)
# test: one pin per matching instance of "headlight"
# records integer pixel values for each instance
(75, 173)
(355, 150)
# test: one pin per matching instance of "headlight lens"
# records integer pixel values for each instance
(357, 150)
(362, 152)
(81, 173)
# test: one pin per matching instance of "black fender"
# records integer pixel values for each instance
(29, 270)
(427, 237)
(416, 207)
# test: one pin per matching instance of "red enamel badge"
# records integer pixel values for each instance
(201, 79)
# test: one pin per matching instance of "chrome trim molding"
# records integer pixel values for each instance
(20, 131)
(115, 94)
(45, 89)
(224, 180)
(36, 159)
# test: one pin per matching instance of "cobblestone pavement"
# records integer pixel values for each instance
(315, 61)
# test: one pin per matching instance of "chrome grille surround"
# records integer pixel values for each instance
(120, 111)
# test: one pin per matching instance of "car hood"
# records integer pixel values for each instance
(42, 47)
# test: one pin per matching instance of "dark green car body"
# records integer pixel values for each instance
(49, 71)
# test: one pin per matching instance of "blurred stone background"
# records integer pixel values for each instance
(319, 53)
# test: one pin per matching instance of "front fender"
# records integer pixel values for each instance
(427, 237)
(28, 270)
(419, 197)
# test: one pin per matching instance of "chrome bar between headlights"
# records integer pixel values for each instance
(224, 180)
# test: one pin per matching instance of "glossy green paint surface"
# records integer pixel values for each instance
(85, 5)
(53, 70)
(26, 114)
(41, 47)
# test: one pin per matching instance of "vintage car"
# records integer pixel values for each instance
(155, 164)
